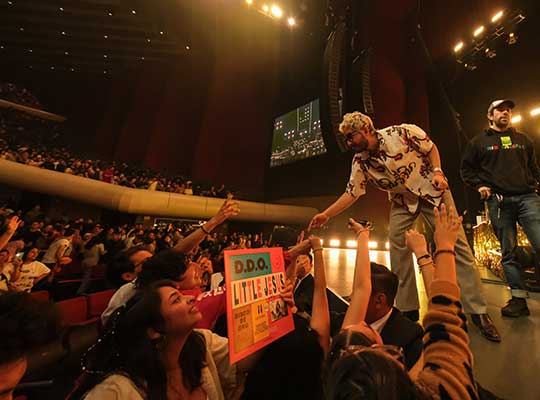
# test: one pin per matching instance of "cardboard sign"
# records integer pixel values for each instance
(256, 314)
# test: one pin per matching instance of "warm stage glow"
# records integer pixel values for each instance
(535, 112)
(277, 11)
(291, 21)
(250, 2)
(458, 47)
(334, 242)
(352, 243)
(387, 245)
(373, 245)
(516, 119)
(497, 16)
(478, 31)
(265, 8)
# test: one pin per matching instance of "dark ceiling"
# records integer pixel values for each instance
(99, 36)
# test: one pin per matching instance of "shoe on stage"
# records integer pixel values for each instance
(516, 307)
(486, 326)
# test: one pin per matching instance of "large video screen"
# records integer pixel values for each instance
(297, 135)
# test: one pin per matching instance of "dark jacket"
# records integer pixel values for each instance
(401, 331)
(503, 161)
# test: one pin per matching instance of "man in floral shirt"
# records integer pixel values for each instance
(403, 161)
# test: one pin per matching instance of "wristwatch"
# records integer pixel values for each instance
(437, 169)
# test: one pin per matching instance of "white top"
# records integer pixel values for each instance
(91, 256)
(378, 325)
(215, 280)
(5, 276)
(400, 167)
(28, 273)
(218, 375)
(50, 255)
(119, 298)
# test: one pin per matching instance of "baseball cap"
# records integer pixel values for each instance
(497, 103)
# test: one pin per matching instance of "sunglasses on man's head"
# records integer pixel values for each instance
(395, 352)
(349, 136)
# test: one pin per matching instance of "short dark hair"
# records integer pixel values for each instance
(25, 324)
(120, 265)
(169, 264)
(384, 281)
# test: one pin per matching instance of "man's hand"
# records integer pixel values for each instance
(485, 192)
(416, 242)
(301, 248)
(439, 182)
(13, 224)
(447, 226)
(315, 242)
(318, 220)
(230, 208)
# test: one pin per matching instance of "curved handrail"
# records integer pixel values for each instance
(141, 201)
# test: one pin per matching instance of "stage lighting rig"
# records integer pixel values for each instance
(485, 38)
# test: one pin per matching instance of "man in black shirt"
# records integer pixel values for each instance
(501, 164)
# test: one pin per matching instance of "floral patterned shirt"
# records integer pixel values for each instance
(400, 166)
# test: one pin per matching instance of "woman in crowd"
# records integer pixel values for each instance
(150, 350)
(30, 272)
(360, 367)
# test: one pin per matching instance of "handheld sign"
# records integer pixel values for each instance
(256, 313)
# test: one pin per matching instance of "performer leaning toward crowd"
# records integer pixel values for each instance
(501, 164)
(405, 162)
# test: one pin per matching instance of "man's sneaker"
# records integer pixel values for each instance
(515, 307)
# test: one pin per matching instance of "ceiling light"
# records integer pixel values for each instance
(21, 29)
(148, 40)
(250, 2)
(497, 16)
(478, 31)
(133, 12)
(105, 36)
(52, 68)
(516, 119)
(63, 33)
(10, 3)
(291, 21)
(66, 53)
(161, 32)
(30, 67)
(104, 55)
(72, 69)
(187, 47)
(277, 11)
(512, 38)
(490, 53)
(535, 112)
(1, 47)
(142, 58)
(265, 8)
(110, 14)
(30, 50)
(458, 47)
(104, 72)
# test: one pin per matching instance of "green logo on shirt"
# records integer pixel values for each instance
(506, 142)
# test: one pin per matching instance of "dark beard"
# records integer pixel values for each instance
(502, 126)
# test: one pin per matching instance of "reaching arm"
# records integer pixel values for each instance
(416, 242)
(361, 291)
(434, 157)
(320, 316)
(12, 226)
(447, 226)
(229, 208)
(340, 205)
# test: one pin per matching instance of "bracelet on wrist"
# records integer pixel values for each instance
(420, 266)
(362, 231)
(422, 257)
(318, 248)
(204, 230)
(449, 251)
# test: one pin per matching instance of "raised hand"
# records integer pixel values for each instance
(229, 209)
(288, 296)
(447, 226)
(439, 182)
(315, 242)
(357, 228)
(13, 224)
(416, 242)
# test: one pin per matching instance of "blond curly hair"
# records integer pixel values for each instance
(355, 121)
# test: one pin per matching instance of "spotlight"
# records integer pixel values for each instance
(334, 242)
(497, 16)
(66, 53)
(265, 8)
(470, 66)
(387, 245)
(372, 245)
(249, 2)
(516, 119)
(277, 11)
(512, 38)
(352, 243)
(535, 112)
(490, 53)
(291, 21)
(133, 12)
(478, 31)
(458, 47)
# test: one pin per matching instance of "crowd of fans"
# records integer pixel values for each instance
(36, 142)
(163, 334)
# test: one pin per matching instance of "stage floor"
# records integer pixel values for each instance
(509, 368)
